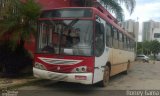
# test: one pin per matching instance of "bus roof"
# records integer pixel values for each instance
(67, 8)
(111, 21)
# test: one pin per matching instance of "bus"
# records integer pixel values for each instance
(81, 45)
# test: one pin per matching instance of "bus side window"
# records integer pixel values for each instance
(125, 42)
(115, 38)
(120, 40)
(108, 35)
(131, 44)
(99, 39)
(128, 47)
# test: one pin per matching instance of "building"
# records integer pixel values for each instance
(156, 34)
(2, 8)
(136, 30)
(132, 27)
(148, 29)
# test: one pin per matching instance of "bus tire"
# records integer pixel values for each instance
(127, 70)
(106, 77)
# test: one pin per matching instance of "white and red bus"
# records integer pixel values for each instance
(81, 45)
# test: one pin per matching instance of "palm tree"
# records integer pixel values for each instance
(115, 7)
(19, 20)
(18, 24)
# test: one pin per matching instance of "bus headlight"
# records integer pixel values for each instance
(80, 69)
(39, 66)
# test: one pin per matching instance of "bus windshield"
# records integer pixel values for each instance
(68, 37)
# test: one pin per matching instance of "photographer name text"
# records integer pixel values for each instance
(142, 93)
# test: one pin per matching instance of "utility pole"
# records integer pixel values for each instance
(136, 36)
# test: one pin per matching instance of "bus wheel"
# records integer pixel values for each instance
(128, 66)
(106, 77)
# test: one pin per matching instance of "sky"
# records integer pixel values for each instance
(145, 10)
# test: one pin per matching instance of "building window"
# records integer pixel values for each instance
(156, 35)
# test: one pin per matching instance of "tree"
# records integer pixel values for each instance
(115, 7)
(18, 24)
(19, 21)
(112, 5)
(155, 47)
(147, 47)
(139, 48)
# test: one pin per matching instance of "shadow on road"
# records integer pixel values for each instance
(70, 89)
(53, 85)
(50, 87)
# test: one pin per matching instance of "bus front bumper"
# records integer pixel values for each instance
(83, 78)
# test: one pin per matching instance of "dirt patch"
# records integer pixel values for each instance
(142, 76)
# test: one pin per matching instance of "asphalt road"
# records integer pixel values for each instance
(142, 76)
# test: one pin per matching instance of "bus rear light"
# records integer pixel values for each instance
(81, 69)
(78, 77)
(77, 69)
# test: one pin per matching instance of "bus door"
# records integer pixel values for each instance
(100, 51)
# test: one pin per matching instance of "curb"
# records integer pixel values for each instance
(13, 86)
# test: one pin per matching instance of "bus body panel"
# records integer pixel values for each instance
(119, 61)
(83, 78)
(63, 68)
(52, 61)
(100, 63)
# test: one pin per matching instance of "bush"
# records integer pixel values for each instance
(14, 61)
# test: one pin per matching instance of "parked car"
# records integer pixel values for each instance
(158, 57)
(143, 58)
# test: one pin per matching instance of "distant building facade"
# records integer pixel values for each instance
(149, 28)
(156, 34)
(132, 27)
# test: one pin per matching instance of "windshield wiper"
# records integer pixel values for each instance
(72, 23)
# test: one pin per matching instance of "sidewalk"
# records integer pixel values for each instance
(13, 82)
(150, 62)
